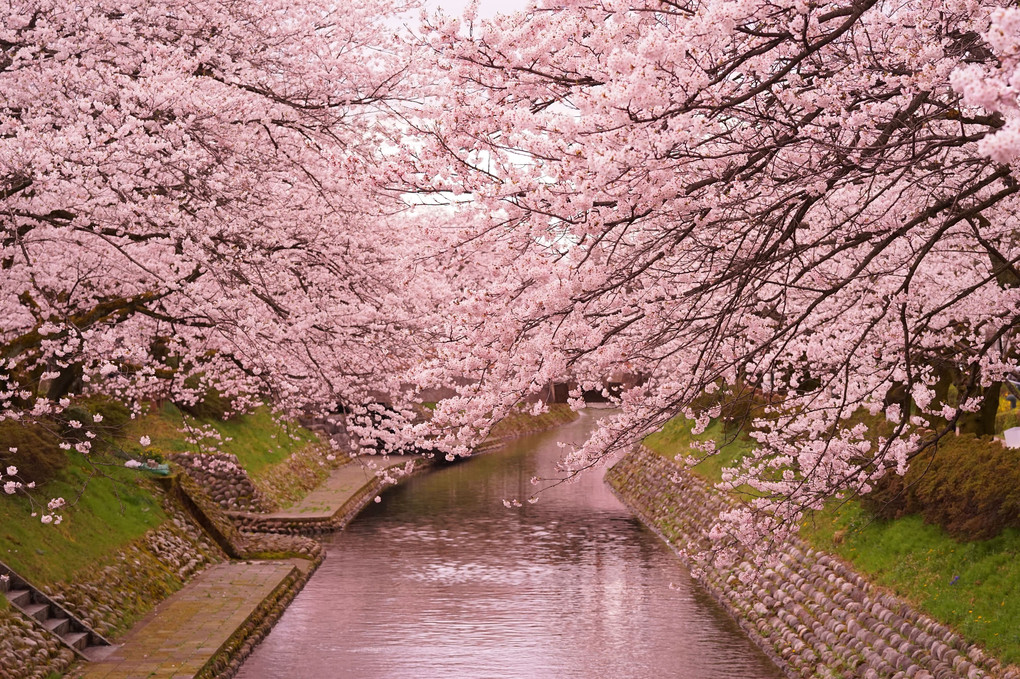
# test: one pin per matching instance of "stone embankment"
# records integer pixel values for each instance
(27, 651)
(813, 615)
(520, 424)
(232, 540)
(215, 513)
(224, 480)
(354, 485)
(111, 595)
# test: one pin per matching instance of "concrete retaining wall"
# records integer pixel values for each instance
(226, 663)
(812, 614)
(261, 523)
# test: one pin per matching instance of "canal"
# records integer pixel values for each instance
(440, 580)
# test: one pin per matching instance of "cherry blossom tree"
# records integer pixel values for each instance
(192, 198)
(809, 205)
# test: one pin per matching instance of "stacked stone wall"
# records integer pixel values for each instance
(521, 424)
(108, 596)
(289, 481)
(27, 651)
(812, 614)
(224, 480)
(236, 540)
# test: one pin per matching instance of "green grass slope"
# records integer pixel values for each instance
(972, 586)
(110, 505)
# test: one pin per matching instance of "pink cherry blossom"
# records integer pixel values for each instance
(808, 208)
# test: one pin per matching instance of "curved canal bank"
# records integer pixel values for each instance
(212, 524)
(812, 614)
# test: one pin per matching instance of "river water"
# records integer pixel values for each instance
(440, 580)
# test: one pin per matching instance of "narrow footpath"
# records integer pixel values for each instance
(188, 631)
(330, 497)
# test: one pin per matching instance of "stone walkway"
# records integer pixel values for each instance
(342, 485)
(187, 630)
(184, 632)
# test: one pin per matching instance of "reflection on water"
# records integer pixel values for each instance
(440, 580)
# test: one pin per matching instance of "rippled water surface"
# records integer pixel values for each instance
(440, 580)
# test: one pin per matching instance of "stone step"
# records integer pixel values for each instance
(78, 640)
(98, 653)
(38, 611)
(20, 597)
(49, 614)
(58, 626)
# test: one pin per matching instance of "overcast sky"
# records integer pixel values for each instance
(486, 8)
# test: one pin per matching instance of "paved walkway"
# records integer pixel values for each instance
(183, 632)
(343, 484)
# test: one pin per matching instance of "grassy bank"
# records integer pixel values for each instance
(675, 438)
(521, 423)
(258, 439)
(110, 505)
(117, 506)
(972, 586)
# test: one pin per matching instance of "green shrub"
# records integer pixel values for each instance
(116, 416)
(892, 497)
(212, 406)
(38, 457)
(78, 414)
(968, 485)
(742, 405)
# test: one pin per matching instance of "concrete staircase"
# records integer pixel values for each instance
(34, 604)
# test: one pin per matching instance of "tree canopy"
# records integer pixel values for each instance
(192, 199)
(809, 204)
(810, 207)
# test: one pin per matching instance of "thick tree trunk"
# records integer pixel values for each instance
(948, 375)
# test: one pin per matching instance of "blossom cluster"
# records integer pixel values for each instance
(809, 209)
(190, 216)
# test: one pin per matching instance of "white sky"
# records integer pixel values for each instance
(486, 8)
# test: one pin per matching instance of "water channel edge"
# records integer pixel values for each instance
(812, 615)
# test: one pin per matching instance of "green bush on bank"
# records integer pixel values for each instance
(102, 417)
(967, 485)
(36, 450)
(1007, 419)
(212, 406)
